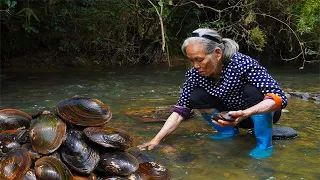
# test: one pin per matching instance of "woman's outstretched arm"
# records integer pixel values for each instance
(170, 125)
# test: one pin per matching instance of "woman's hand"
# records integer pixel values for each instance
(150, 145)
(267, 105)
(170, 125)
(240, 115)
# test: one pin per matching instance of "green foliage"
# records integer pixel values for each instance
(127, 32)
(303, 16)
(251, 17)
(27, 13)
(216, 24)
(257, 38)
(10, 4)
(308, 13)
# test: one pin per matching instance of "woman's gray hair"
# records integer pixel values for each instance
(211, 39)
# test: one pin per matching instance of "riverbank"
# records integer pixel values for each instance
(56, 60)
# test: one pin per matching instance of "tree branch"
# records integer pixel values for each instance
(7, 11)
(162, 28)
(161, 23)
(301, 44)
(290, 58)
(295, 34)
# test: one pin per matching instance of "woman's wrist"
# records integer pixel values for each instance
(264, 106)
(248, 112)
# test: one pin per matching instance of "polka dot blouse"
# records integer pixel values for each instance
(234, 76)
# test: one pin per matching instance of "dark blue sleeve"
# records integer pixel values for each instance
(187, 88)
(258, 76)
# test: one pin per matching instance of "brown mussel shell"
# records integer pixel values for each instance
(138, 176)
(30, 175)
(226, 117)
(155, 170)
(83, 111)
(78, 154)
(51, 168)
(110, 137)
(118, 163)
(91, 176)
(15, 164)
(14, 119)
(114, 178)
(47, 133)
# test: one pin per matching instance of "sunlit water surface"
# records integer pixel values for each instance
(188, 153)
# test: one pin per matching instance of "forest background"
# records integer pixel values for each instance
(108, 33)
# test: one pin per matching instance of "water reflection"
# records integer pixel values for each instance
(188, 153)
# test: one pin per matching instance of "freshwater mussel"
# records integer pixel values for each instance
(30, 175)
(72, 143)
(51, 168)
(14, 119)
(110, 137)
(155, 170)
(118, 163)
(90, 176)
(83, 111)
(14, 164)
(224, 115)
(78, 154)
(47, 133)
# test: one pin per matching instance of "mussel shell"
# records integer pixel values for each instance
(51, 168)
(47, 133)
(110, 137)
(78, 154)
(11, 139)
(114, 178)
(227, 117)
(216, 117)
(118, 163)
(30, 175)
(138, 176)
(83, 111)
(155, 170)
(91, 176)
(14, 119)
(14, 164)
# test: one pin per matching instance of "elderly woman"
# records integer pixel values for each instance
(223, 79)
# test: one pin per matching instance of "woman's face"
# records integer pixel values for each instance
(207, 64)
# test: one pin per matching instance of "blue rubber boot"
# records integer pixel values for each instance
(223, 132)
(263, 133)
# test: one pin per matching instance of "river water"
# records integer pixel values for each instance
(188, 153)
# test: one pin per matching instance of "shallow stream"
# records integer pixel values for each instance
(188, 153)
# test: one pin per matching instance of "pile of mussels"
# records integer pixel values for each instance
(72, 142)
